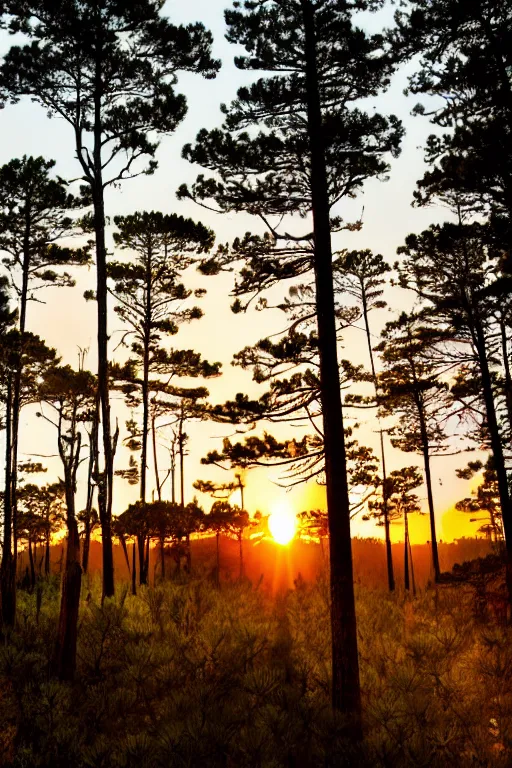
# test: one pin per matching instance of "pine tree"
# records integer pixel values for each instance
(220, 520)
(35, 214)
(450, 267)
(151, 302)
(29, 354)
(293, 143)
(410, 388)
(109, 70)
(46, 504)
(484, 500)
(71, 397)
(361, 274)
(240, 520)
(400, 503)
(463, 62)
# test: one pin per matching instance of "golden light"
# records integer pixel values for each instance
(282, 522)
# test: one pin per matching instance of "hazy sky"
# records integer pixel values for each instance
(67, 322)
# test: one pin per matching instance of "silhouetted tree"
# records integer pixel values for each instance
(46, 503)
(30, 530)
(34, 216)
(220, 520)
(312, 149)
(484, 500)
(449, 267)
(90, 520)
(400, 503)
(7, 569)
(410, 388)
(109, 70)
(29, 354)
(71, 397)
(464, 63)
(361, 274)
(150, 302)
(241, 519)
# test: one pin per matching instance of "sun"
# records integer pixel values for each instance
(282, 522)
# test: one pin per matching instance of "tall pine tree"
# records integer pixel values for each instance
(109, 70)
(294, 143)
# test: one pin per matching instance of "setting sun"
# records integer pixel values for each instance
(282, 522)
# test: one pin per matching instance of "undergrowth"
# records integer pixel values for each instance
(185, 674)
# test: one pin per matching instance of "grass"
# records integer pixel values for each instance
(188, 675)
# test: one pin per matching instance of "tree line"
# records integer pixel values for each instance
(294, 145)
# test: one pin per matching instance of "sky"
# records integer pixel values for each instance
(67, 322)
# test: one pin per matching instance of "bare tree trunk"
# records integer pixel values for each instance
(162, 556)
(47, 554)
(105, 496)
(16, 406)
(155, 460)
(217, 570)
(506, 367)
(87, 546)
(67, 632)
(8, 568)
(32, 566)
(497, 452)
(241, 543)
(134, 568)
(92, 466)
(346, 692)
(146, 559)
(412, 567)
(385, 511)
(141, 546)
(406, 552)
(430, 495)
(241, 486)
(182, 491)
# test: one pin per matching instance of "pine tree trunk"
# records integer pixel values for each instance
(87, 546)
(162, 557)
(16, 399)
(105, 502)
(508, 377)
(105, 497)
(141, 545)
(65, 650)
(385, 511)
(8, 567)
(430, 495)
(346, 693)
(413, 580)
(47, 555)
(182, 493)
(217, 570)
(134, 568)
(497, 452)
(406, 552)
(387, 526)
(241, 542)
(155, 460)
(146, 558)
(32, 566)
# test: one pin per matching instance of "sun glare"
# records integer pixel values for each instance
(282, 522)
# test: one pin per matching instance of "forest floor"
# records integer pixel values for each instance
(185, 674)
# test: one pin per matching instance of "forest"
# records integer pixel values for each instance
(255, 383)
